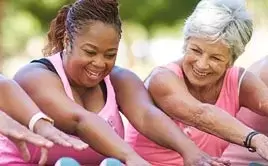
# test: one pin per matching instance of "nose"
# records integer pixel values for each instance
(202, 63)
(98, 61)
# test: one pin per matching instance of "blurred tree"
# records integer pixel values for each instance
(26, 18)
(32, 17)
(258, 10)
(2, 7)
(43, 10)
(152, 15)
(145, 12)
(157, 12)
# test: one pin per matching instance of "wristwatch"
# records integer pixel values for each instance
(38, 116)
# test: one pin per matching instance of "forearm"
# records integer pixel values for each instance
(157, 126)
(215, 121)
(100, 136)
(15, 102)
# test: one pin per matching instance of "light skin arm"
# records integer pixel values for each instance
(136, 104)
(45, 88)
(254, 93)
(171, 94)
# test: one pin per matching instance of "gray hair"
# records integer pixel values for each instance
(221, 19)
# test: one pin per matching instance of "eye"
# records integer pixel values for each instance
(90, 52)
(196, 50)
(216, 58)
(110, 56)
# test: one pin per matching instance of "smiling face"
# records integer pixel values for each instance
(205, 62)
(92, 54)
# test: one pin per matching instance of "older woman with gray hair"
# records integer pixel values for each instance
(203, 91)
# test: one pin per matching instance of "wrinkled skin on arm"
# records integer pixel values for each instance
(171, 94)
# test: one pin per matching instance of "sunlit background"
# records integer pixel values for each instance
(152, 32)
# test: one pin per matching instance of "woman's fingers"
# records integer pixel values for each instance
(50, 132)
(44, 156)
(22, 147)
(76, 143)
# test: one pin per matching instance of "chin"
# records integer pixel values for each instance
(89, 83)
(93, 83)
(198, 83)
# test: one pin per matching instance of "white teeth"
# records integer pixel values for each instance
(202, 74)
(94, 73)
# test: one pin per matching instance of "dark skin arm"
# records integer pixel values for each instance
(138, 107)
(171, 94)
(47, 91)
(14, 101)
(19, 135)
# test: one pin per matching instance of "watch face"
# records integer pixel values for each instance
(38, 116)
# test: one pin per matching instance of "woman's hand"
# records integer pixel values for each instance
(260, 142)
(47, 130)
(199, 158)
(19, 134)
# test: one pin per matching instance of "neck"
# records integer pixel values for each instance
(79, 89)
(208, 93)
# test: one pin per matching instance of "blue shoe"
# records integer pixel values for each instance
(67, 161)
(254, 164)
(111, 162)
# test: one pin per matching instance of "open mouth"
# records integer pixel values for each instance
(94, 75)
(200, 74)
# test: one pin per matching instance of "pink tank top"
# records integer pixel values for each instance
(160, 156)
(9, 154)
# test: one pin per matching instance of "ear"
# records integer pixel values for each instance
(232, 61)
(67, 42)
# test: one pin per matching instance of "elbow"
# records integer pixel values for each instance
(261, 109)
(68, 122)
(81, 122)
(142, 123)
(76, 120)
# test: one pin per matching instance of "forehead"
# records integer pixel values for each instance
(97, 33)
(209, 46)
